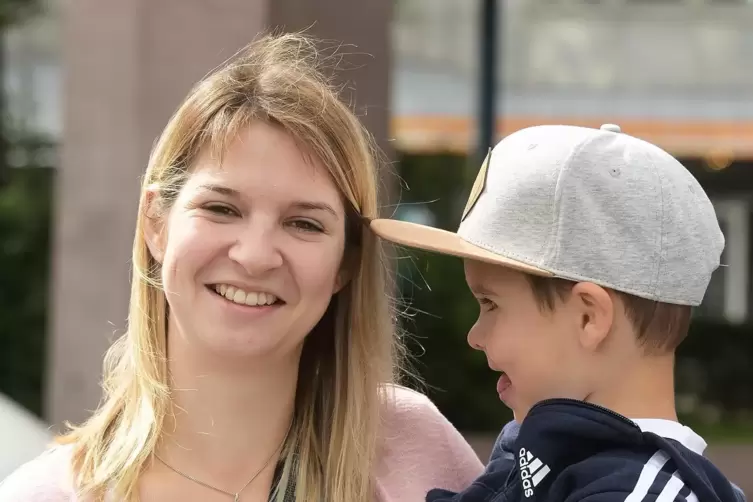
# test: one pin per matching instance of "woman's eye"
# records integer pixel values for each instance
(306, 226)
(221, 210)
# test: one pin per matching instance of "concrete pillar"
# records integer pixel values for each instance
(128, 65)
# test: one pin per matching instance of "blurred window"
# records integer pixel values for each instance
(729, 294)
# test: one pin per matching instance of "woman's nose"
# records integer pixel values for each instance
(257, 249)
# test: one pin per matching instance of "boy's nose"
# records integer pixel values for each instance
(475, 340)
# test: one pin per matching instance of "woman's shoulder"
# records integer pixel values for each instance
(404, 408)
(45, 478)
(409, 414)
(398, 400)
(419, 446)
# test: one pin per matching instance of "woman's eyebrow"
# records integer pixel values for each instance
(315, 206)
(211, 187)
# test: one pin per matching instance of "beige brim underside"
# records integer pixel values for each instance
(441, 241)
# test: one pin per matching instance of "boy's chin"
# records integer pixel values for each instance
(519, 413)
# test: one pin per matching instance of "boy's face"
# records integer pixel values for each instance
(537, 350)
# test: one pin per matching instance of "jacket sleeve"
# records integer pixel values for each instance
(493, 480)
(739, 493)
(504, 445)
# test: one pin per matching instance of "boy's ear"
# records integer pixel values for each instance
(154, 228)
(595, 307)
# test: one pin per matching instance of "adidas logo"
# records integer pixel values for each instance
(532, 471)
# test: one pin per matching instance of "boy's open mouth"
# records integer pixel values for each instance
(503, 384)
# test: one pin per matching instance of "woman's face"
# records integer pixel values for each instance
(251, 251)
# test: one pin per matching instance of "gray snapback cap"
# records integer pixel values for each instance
(584, 204)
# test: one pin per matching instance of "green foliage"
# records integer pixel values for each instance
(25, 198)
(714, 376)
(457, 378)
(440, 309)
(25, 214)
(14, 12)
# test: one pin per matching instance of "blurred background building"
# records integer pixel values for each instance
(90, 84)
(674, 72)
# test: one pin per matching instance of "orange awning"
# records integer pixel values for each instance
(682, 138)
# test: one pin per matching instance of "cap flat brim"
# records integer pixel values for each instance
(441, 241)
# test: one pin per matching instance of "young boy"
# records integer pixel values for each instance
(586, 249)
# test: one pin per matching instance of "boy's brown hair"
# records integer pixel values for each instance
(660, 327)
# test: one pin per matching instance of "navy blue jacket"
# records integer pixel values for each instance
(571, 451)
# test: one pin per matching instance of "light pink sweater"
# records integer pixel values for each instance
(419, 450)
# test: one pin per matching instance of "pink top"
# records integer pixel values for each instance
(420, 450)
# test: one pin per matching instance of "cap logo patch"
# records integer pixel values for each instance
(478, 186)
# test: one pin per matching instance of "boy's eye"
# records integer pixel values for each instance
(486, 303)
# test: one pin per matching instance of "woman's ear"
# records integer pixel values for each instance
(347, 270)
(153, 224)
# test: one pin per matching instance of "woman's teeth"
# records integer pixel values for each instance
(239, 296)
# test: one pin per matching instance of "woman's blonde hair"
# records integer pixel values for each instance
(349, 355)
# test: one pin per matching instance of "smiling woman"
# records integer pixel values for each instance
(261, 360)
(263, 221)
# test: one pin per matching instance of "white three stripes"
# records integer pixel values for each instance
(691, 498)
(671, 489)
(533, 468)
(649, 473)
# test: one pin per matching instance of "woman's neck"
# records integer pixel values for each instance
(228, 418)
